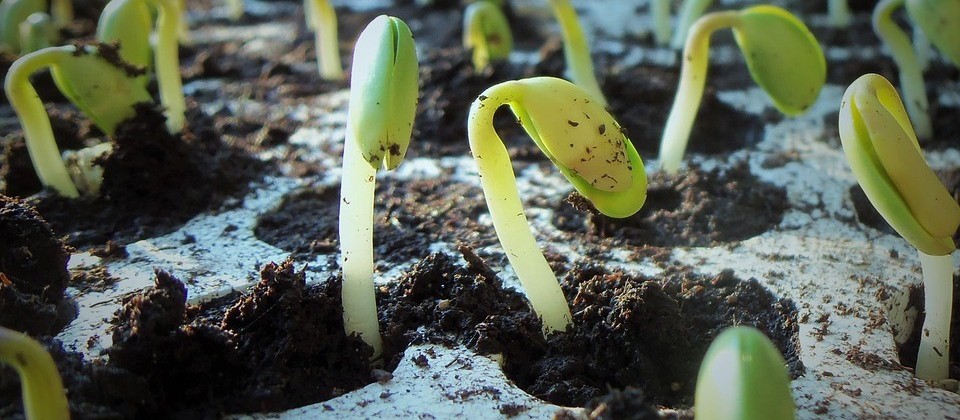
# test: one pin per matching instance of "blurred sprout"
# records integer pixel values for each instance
(576, 50)
(487, 33)
(690, 11)
(37, 32)
(322, 20)
(43, 394)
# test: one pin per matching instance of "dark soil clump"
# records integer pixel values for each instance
(153, 182)
(695, 208)
(33, 272)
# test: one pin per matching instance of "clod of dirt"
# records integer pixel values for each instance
(694, 208)
(33, 272)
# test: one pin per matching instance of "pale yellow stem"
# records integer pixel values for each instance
(43, 394)
(576, 50)
(167, 62)
(660, 14)
(911, 75)
(839, 13)
(322, 18)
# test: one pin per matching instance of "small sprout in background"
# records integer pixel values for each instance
(782, 55)
(938, 20)
(322, 20)
(166, 58)
(383, 102)
(12, 13)
(576, 50)
(886, 159)
(690, 11)
(660, 14)
(743, 377)
(62, 12)
(128, 23)
(235, 9)
(583, 140)
(43, 394)
(487, 33)
(37, 32)
(838, 12)
(104, 92)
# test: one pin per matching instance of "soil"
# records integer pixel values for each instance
(636, 342)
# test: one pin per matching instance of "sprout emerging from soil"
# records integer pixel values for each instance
(690, 11)
(782, 55)
(887, 161)
(660, 14)
(583, 140)
(743, 376)
(939, 20)
(383, 102)
(839, 13)
(12, 14)
(486, 32)
(105, 92)
(43, 395)
(576, 51)
(128, 22)
(166, 58)
(322, 20)
(37, 32)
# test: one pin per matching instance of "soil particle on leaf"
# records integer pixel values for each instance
(694, 208)
(33, 272)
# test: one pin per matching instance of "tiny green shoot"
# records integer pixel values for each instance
(37, 32)
(588, 147)
(782, 55)
(887, 161)
(660, 15)
(576, 50)
(743, 376)
(690, 11)
(383, 103)
(42, 388)
(12, 13)
(838, 12)
(487, 33)
(322, 20)
(103, 91)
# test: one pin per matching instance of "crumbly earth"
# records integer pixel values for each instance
(33, 272)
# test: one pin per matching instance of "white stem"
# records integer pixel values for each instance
(660, 13)
(357, 187)
(922, 46)
(839, 12)
(933, 359)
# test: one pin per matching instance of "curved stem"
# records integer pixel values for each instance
(500, 191)
(43, 395)
(839, 13)
(933, 359)
(921, 44)
(911, 76)
(357, 187)
(37, 131)
(576, 50)
(324, 25)
(660, 13)
(693, 78)
(167, 61)
(690, 11)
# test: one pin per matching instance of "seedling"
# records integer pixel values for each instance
(62, 12)
(486, 32)
(743, 376)
(235, 9)
(383, 101)
(37, 32)
(886, 159)
(782, 55)
(690, 11)
(576, 51)
(105, 92)
(42, 388)
(660, 14)
(939, 20)
(12, 13)
(583, 140)
(838, 12)
(322, 20)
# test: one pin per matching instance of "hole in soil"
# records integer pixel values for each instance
(868, 215)
(906, 317)
(410, 216)
(638, 332)
(695, 208)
